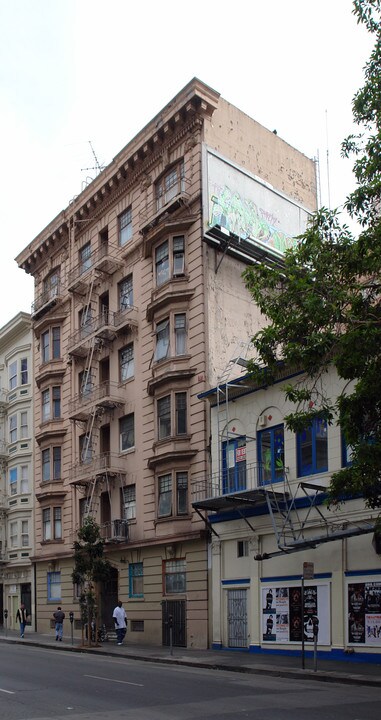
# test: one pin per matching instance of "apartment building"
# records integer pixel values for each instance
(16, 463)
(281, 560)
(139, 302)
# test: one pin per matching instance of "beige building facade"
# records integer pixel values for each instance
(139, 304)
(272, 532)
(16, 462)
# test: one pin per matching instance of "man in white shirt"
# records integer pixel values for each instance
(120, 620)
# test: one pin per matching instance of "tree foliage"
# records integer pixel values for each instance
(323, 305)
(90, 568)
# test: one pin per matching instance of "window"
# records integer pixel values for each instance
(50, 343)
(164, 417)
(13, 534)
(46, 524)
(23, 425)
(51, 460)
(242, 548)
(13, 428)
(86, 321)
(126, 362)
(24, 471)
(51, 285)
(56, 342)
(13, 481)
(234, 465)
(24, 533)
(162, 340)
(125, 227)
(49, 531)
(24, 371)
(12, 375)
(86, 382)
(126, 295)
(271, 454)
(127, 432)
(84, 258)
(135, 579)
(166, 498)
(57, 515)
(54, 586)
(170, 259)
(174, 576)
(181, 413)
(312, 448)
(45, 346)
(346, 452)
(129, 502)
(170, 185)
(180, 334)
(51, 403)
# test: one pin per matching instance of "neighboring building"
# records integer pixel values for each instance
(16, 463)
(265, 504)
(139, 302)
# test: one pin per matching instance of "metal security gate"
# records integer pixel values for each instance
(237, 618)
(175, 609)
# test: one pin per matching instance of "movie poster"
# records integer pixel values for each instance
(364, 613)
(282, 613)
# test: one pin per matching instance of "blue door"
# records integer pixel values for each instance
(234, 465)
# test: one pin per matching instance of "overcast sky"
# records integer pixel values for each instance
(78, 70)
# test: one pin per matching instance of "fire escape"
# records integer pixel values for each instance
(98, 471)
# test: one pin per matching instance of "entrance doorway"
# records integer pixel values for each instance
(177, 610)
(109, 599)
(237, 618)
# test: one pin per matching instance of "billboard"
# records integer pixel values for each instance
(364, 613)
(242, 204)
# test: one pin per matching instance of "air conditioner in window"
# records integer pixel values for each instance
(262, 421)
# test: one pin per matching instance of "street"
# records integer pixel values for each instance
(38, 683)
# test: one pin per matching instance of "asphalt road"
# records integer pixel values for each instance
(40, 684)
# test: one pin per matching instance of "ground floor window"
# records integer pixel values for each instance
(54, 586)
(174, 576)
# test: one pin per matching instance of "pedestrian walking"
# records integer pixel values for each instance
(120, 620)
(22, 617)
(59, 617)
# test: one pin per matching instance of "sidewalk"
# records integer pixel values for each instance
(349, 672)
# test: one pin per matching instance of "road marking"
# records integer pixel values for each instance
(123, 682)
(10, 692)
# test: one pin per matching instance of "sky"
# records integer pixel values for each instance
(75, 72)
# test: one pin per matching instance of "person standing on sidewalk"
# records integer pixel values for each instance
(22, 617)
(120, 620)
(59, 617)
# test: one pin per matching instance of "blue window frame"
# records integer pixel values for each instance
(54, 586)
(312, 448)
(135, 580)
(270, 444)
(234, 465)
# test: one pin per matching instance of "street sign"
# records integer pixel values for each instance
(308, 571)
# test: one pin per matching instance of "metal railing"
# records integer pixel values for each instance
(126, 315)
(116, 530)
(98, 465)
(96, 256)
(48, 296)
(95, 394)
(228, 481)
(103, 321)
(163, 202)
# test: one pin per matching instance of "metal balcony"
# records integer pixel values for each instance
(230, 488)
(174, 196)
(102, 260)
(115, 531)
(48, 299)
(106, 396)
(126, 318)
(98, 466)
(102, 328)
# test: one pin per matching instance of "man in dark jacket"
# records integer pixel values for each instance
(59, 617)
(22, 617)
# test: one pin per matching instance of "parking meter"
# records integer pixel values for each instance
(5, 621)
(315, 623)
(71, 618)
(5, 614)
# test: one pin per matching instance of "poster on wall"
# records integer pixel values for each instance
(364, 613)
(282, 620)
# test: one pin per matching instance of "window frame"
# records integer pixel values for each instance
(174, 574)
(53, 581)
(169, 259)
(135, 577)
(172, 494)
(170, 184)
(129, 503)
(84, 258)
(127, 365)
(312, 468)
(12, 375)
(125, 229)
(129, 420)
(273, 477)
(13, 480)
(126, 289)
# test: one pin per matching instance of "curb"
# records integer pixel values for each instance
(295, 674)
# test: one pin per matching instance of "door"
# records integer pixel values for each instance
(175, 609)
(26, 598)
(109, 599)
(237, 618)
(234, 465)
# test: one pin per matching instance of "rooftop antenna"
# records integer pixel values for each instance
(328, 180)
(97, 166)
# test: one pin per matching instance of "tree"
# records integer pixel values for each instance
(323, 304)
(90, 568)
